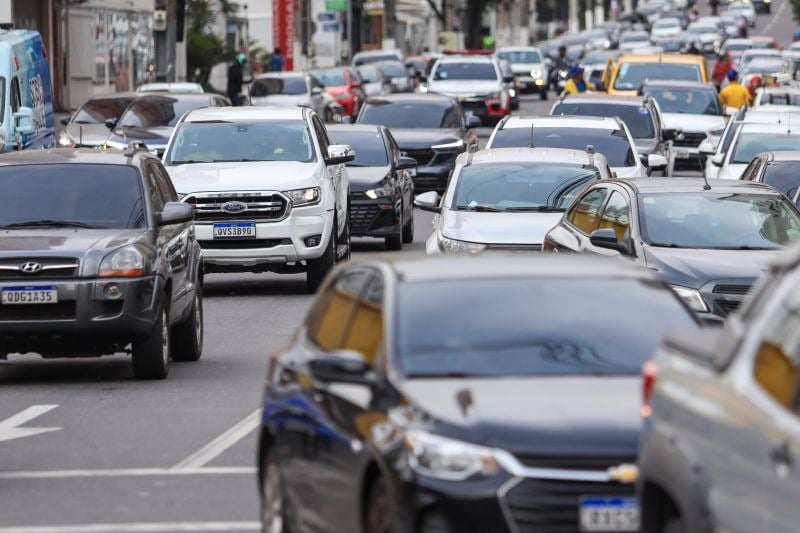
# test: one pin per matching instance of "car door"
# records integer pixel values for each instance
(404, 177)
(754, 170)
(337, 175)
(615, 215)
(572, 233)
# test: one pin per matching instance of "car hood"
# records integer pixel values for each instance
(280, 99)
(363, 178)
(87, 134)
(153, 137)
(526, 68)
(250, 176)
(497, 228)
(536, 415)
(695, 267)
(418, 138)
(693, 123)
(464, 87)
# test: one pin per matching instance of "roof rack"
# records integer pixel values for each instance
(134, 147)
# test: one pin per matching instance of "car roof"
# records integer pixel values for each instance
(464, 58)
(632, 100)
(412, 97)
(562, 121)
(676, 83)
(661, 58)
(518, 49)
(70, 156)
(266, 112)
(183, 97)
(526, 155)
(692, 185)
(357, 128)
(113, 96)
(793, 156)
(737, 41)
(765, 127)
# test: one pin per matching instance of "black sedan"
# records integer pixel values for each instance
(710, 242)
(436, 395)
(381, 186)
(433, 129)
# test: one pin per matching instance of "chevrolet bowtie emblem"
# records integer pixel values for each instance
(625, 473)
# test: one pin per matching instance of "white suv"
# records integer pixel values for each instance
(269, 190)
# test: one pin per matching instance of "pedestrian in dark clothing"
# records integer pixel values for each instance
(277, 61)
(714, 6)
(236, 79)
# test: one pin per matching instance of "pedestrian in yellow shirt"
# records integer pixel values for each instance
(734, 95)
(576, 84)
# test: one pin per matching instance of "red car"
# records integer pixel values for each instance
(765, 41)
(343, 85)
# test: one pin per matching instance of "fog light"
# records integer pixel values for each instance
(112, 291)
(313, 241)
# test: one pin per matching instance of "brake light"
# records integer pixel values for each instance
(649, 375)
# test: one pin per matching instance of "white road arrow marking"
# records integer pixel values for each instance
(9, 429)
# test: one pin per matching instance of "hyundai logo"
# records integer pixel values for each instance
(31, 268)
(234, 207)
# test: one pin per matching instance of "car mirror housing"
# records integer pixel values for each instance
(65, 120)
(656, 162)
(607, 238)
(428, 201)
(706, 148)
(508, 79)
(175, 213)
(406, 163)
(473, 122)
(111, 123)
(718, 160)
(23, 121)
(672, 134)
(339, 154)
(342, 366)
(703, 346)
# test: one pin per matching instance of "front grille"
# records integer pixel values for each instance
(732, 289)
(515, 247)
(424, 156)
(28, 313)
(368, 217)
(50, 268)
(589, 462)
(551, 506)
(242, 244)
(728, 306)
(691, 139)
(263, 206)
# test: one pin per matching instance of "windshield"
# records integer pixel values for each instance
(98, 110)
(599, 58)
(764, 44)
(369, 74)
(330, 78)
(700, 30)
(520, 56)
(634, 37)
(684, 100)
(374, 58)
(291, 85)
(216, 142)
(666, 24)
(613, 144)
(394, 69)
(750, 144)
(97, 196)
(632, 75)
(152, 112)
(496, 328)
(783, 176)
(777, 98)
(637, 118)
(718, 220)
(765, 66)
(465, 71)
(409, 115)
(737, 47)
(747, 58)
(369, 147)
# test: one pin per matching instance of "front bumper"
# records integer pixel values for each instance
(381, 217)
(529, 84)
(84, 321)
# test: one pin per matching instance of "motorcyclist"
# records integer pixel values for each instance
(576, 84)
(562, 63)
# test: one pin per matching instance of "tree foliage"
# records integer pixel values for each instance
(796, 8)
(204, 48)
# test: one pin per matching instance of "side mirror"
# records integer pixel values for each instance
(707, 148)
(111, 123)
(339, 154)
(473, 122)
(175, 213)
(607, 238)
(717, 160)
(508, 79)
(23, 121)
(317, 90)
(428, 201)
(342, 366)
(65, 120)
(656, 162)
(671, 134)
(407, 163)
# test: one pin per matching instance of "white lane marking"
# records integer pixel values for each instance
(216, 447)
(127, 472)
(10, 431)
(137, 527)
(778, 15)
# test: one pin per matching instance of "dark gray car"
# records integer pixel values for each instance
(98, 256)
(710, 245)
(87, 126)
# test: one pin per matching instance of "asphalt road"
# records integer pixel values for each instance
(85, 448)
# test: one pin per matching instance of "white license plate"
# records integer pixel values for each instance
(234, 230)
(29, 295)
(609, 514)
(681, 154)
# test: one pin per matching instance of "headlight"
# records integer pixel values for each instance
(450, 459)
(64, 140)
(536, 73)
(692, 298)
(381, 191)
(116, 145)
(454, 246)
(455, 145)
(301, 197)
(127, 262)
(423, 88)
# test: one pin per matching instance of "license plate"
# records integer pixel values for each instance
(234, 230)
(609, 514)
(681, 154)
(29, 295)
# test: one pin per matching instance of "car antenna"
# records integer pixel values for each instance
(707, 186)
(532, 146)
(80, 135)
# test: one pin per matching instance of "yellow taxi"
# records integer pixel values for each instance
(626, 75)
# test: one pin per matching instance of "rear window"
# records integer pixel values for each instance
(783, 176)
(152, 112)
(520, 56)
(292, 85)
(103, 196)
(369, 147)
(632, 75)
(99, 110)
(465, 71)
(638, 118)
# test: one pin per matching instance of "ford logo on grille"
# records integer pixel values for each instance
(234, 207)
(31, 268)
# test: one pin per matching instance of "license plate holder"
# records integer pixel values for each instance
(234, 231)
(608, 513)
(29, 295)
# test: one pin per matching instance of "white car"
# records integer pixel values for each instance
(752, 139)
(664, 28)
(607, 136)
(269, 190)
(183, 87)
(508, 198)
(631, 40)
(529, 68)
(744, 9)
(782, 96)
(291, 89)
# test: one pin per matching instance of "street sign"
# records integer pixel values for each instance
(326, 16)
(336, 5)
(331, 26)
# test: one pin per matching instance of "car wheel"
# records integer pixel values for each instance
(317, 269)
(395, 242)
(434, 523)
(543, 94)
(378, 512)
(272, 501)
(348, 250)
(150, 355)
(408, 230)
(187, 337)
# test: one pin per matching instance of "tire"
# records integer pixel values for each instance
(395, 242)
(187, 337)
(273, 512)
(150, 357)
(317, 269)
(434, 523)
(408, 230)
(543, 95)
(347, 239)
(675, 525)
(378, 512)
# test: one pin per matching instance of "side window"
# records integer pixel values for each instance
(156, 201)
(584, 215)
(616, 215)
(451, 119)
(329, 319)
(164, 183)
(16, 96)
(394, 150)
(366, 327)
(751, 172)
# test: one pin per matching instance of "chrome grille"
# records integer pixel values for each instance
(732, 289)
(269, 206)
(49, 268)
(690, 139)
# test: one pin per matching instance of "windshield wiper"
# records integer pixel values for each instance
(665, 245)
(479, 207)
(187, 162)
(536, 209)
(423, 375)
(51, 223)
(240, 160)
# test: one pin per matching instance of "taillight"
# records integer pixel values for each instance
(649, 375)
